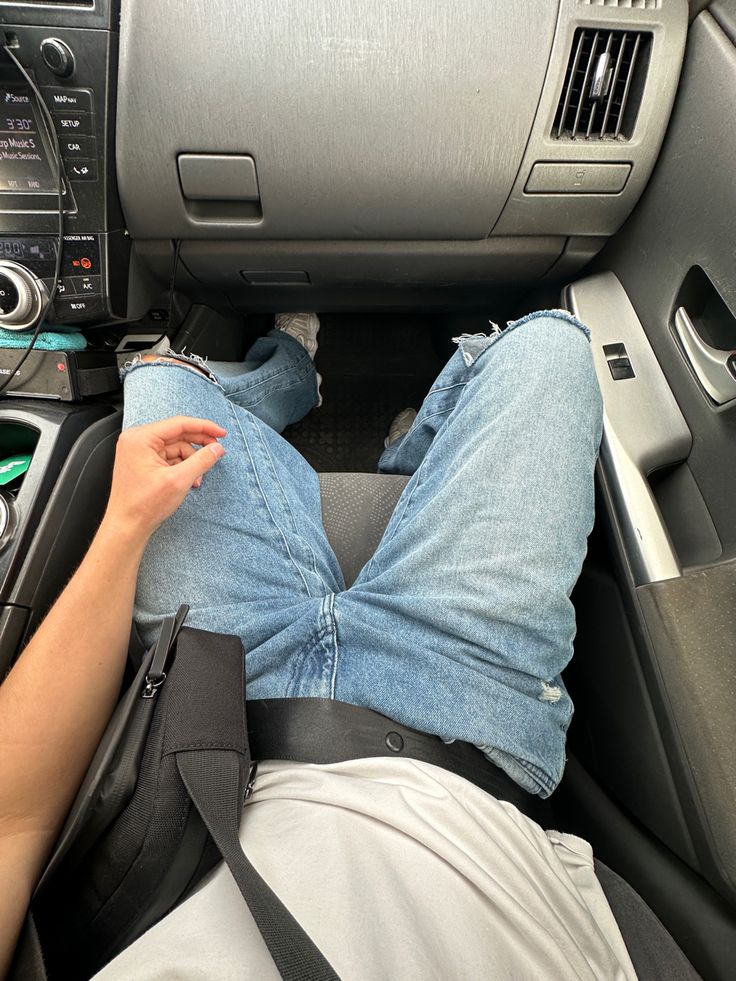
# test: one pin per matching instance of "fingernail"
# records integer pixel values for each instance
(198, 482)
(216, 450)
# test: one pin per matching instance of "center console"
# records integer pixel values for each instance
(49, 513)
(70, 50)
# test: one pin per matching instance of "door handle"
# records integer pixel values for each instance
(713, 368)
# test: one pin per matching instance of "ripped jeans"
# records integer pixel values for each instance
(461, 622)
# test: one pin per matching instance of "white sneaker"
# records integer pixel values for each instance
(400, 426)
(303, 327)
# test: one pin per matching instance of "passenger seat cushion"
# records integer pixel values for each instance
(356, 508)
(653, 952)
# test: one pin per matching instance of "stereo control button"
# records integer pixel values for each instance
(80, 308)
(81, 256)
(66, 287)
(62, 99)
(73, 123)
(81, 170)
(86, 284)
(58, 56)
(78, 146)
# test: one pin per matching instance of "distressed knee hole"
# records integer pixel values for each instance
(550, 693)
(191, 362)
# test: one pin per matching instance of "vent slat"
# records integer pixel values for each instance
(594, 110)
(584, 89)
(609, 113)
(627, 87)
(571, 79)
(614, 83)
(631, 4)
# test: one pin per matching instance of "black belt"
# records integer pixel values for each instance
(321, 730)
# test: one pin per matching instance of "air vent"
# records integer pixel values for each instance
(603, 86)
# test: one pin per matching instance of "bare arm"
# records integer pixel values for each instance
(58, 698)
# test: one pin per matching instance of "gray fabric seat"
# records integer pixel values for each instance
(355, 511)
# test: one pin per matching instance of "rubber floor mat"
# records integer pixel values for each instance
(372, 366)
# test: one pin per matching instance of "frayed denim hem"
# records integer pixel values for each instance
(473, 345)
(555, 315)
(193, 363)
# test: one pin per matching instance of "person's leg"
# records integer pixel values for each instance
(246, 550)
(461, 623)
(277, 381)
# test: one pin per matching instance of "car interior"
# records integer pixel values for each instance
(411, 172)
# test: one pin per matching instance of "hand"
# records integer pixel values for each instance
(155, 466)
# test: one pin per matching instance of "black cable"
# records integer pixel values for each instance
(172, 285)
(172, 281)
(53, 142)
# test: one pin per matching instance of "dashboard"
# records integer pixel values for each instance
(309, 149)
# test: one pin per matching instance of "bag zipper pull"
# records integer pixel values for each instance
(156, 674)
(152, 685)
(251, 779)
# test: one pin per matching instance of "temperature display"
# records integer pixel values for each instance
(24, 164)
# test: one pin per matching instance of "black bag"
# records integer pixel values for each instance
(160, 805)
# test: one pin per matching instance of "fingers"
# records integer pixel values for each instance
(185, 428)
(174, 452)
(191, 470)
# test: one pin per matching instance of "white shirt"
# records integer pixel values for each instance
(396, 869)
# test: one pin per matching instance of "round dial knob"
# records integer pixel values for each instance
(22, 296)
(58, 56)
(9, 296)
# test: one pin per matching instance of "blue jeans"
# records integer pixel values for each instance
(461, 622)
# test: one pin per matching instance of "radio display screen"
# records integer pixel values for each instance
(24, 162)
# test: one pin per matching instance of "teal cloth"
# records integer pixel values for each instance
(48, 340)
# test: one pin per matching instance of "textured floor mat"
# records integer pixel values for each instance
(372, 367)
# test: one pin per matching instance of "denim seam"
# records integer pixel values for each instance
(335, 649)
(439, 412)
(295, 527)
(272, 383)
(428, 415)
(431, 415)
(324, 628)
(247, 403)
(287, 505)
(306, 361)
(265, 499)
(446, 388)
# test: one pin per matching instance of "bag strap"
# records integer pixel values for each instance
(207, 733)
(28, 963)
(211, 778)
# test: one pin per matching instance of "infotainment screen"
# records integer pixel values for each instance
(24, 161)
